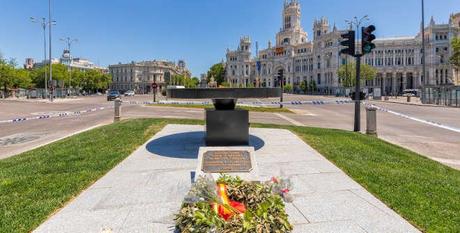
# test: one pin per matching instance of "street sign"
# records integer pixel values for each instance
(154, 85)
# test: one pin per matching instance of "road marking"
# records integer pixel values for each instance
(194, 111)
(432, 123)
(303, 112)
(294, 122)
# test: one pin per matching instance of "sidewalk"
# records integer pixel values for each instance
(143, 193)
(415, 101)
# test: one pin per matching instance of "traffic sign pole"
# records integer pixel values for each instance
(357, 127)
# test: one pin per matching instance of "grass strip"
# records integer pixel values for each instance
(423, 191)
(36, 183)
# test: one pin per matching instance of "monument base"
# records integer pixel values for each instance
(227, 127)
(234, 161)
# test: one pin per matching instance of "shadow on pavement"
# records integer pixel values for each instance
(187, 145)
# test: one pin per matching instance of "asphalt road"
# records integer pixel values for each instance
(429, 140)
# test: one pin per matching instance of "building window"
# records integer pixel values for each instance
(318, 80)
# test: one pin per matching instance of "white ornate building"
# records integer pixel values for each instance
(296, 58)
(139, 76)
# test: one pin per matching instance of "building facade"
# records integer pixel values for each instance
(139, 76)
(295, 58)
(78, 63)
(72, 63)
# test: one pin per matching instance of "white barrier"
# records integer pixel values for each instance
(247, 103)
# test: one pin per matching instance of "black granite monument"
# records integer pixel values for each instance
(225, 125)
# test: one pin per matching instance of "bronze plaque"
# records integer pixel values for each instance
(226, 161)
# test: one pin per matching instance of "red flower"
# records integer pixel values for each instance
(221, 210)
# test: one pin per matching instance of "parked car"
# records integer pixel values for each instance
(411, 92)
(112, 95)
(362, 95)
(129, 93)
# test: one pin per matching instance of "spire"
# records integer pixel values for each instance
(432, 21)
(335, 28)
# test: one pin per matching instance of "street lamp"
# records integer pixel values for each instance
(43, 24)
(69, 41)
(425, 76)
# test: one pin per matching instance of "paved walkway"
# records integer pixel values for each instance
(143, 192)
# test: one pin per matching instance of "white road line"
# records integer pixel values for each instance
(432, 123)
(294, 122)
(303, 112)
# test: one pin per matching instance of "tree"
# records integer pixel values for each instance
(216, 71)
(225, 84)
(60, 73)
(347, 73)
(11, 77)
(304, 86)
(455, 59)
(288, 88)
(312, 86)
(6, 73)
(95, 80)
(192, 82)
(22, 79)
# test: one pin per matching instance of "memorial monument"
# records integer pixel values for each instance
(227, 130)
(225, 124)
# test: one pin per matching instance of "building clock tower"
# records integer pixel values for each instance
(291, 32)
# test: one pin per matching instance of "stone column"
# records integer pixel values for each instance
(393, 83)
(404, 79)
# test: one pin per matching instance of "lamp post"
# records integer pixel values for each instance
(43, 25)
(50, 23)
(425, 78)
(69, 41)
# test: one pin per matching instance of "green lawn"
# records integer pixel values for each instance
(423, 191)
(35, 184)
(249, 108)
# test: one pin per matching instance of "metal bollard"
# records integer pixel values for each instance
(371, 120)
(117, 110)
(408, 99)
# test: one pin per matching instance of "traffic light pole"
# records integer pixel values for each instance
(357, 127)
(366, 47)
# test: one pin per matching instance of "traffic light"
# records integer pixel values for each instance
(349, 42)
(367, 38)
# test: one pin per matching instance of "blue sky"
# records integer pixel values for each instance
(198, 31)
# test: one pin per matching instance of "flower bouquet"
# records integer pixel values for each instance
(231, 205)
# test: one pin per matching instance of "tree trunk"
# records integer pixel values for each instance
(5, 93)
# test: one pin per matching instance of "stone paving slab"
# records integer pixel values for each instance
(143, 193)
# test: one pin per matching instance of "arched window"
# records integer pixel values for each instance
(286, 41)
